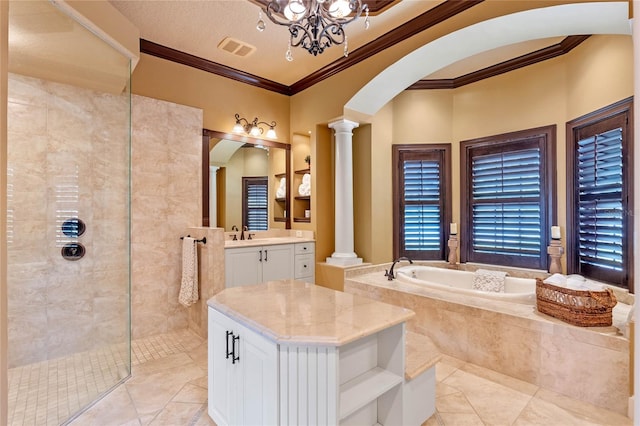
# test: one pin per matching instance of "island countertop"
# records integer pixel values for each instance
(294, 312)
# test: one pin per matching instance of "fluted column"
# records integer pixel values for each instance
(344, 253)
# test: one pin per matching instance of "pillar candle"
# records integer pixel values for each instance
(555, 232)
(453, 228)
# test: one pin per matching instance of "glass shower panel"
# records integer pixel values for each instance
(68, 215)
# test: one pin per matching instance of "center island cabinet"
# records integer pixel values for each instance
(292, 353)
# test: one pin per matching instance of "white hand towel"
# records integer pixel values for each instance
(189, 287)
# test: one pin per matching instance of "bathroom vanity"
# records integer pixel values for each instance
(260, 260)
(292, 353)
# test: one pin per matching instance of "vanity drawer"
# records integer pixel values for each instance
(302, 248)
(304, 265)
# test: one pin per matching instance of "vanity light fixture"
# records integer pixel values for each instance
(314, 24)
(253, 128)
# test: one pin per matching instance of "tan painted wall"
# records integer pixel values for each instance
(551, 92)
(220, 98)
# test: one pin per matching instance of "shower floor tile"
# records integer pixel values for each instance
(49, 392)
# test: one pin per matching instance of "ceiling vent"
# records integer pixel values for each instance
(236, 47)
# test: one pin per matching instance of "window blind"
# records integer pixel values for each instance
(422, 211)
(600, 201)
(506, 216)
(256, 202)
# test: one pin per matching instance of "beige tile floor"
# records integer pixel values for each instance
(168, 388)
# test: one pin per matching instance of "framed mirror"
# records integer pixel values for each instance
(245, 181)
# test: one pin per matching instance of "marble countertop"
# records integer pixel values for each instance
(294, 312)
(265, 241)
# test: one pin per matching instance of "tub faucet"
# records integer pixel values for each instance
(389, 273)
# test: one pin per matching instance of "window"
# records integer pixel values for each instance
(422, 194)
(254, 203)
(507, 198)
(599, 169)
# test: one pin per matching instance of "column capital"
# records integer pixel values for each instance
(343, 125)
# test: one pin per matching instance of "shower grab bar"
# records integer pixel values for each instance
(203, 240)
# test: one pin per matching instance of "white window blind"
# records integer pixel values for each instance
(600, 201)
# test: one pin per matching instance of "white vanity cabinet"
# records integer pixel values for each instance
(255, 264)
(305, 262)
(243, 378)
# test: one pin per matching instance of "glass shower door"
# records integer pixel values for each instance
(68, 215)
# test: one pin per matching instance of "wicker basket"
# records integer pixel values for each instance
(577, 307)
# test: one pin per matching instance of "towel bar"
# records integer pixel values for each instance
(203, 240)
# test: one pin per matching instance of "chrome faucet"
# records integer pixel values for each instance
(389, 273)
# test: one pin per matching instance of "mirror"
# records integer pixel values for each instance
(234, 165)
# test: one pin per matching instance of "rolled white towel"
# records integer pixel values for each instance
(304, 190)
(556, 279)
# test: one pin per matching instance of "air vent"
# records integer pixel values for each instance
(236, 47)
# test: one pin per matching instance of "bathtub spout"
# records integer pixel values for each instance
(389, 274)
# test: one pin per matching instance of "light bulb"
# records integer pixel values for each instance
(295, 10)
(339, 9)
(271, 133)
(255, 131)
(238, 128)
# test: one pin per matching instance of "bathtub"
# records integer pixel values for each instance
(516, 290)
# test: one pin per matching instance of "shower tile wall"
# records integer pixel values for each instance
(166, 200)
(68, 156)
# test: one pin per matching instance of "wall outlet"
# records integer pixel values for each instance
(298, 234)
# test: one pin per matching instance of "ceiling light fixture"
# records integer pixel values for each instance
(252, 128)
(314, 24)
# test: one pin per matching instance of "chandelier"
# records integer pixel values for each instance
(314, 24)
(253, 128)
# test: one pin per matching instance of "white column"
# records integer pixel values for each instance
(213, 197)
(343, 254)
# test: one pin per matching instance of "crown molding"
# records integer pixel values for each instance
(550, 52)
(160, 51)
(420, 23)
(434, 16)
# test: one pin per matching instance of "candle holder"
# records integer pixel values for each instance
(555, 251)
(453, 249)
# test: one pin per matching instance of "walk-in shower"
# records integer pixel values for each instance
(67, 215)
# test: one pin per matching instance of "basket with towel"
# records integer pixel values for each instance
(575, 300)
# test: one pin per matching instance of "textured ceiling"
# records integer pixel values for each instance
(197, 27)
